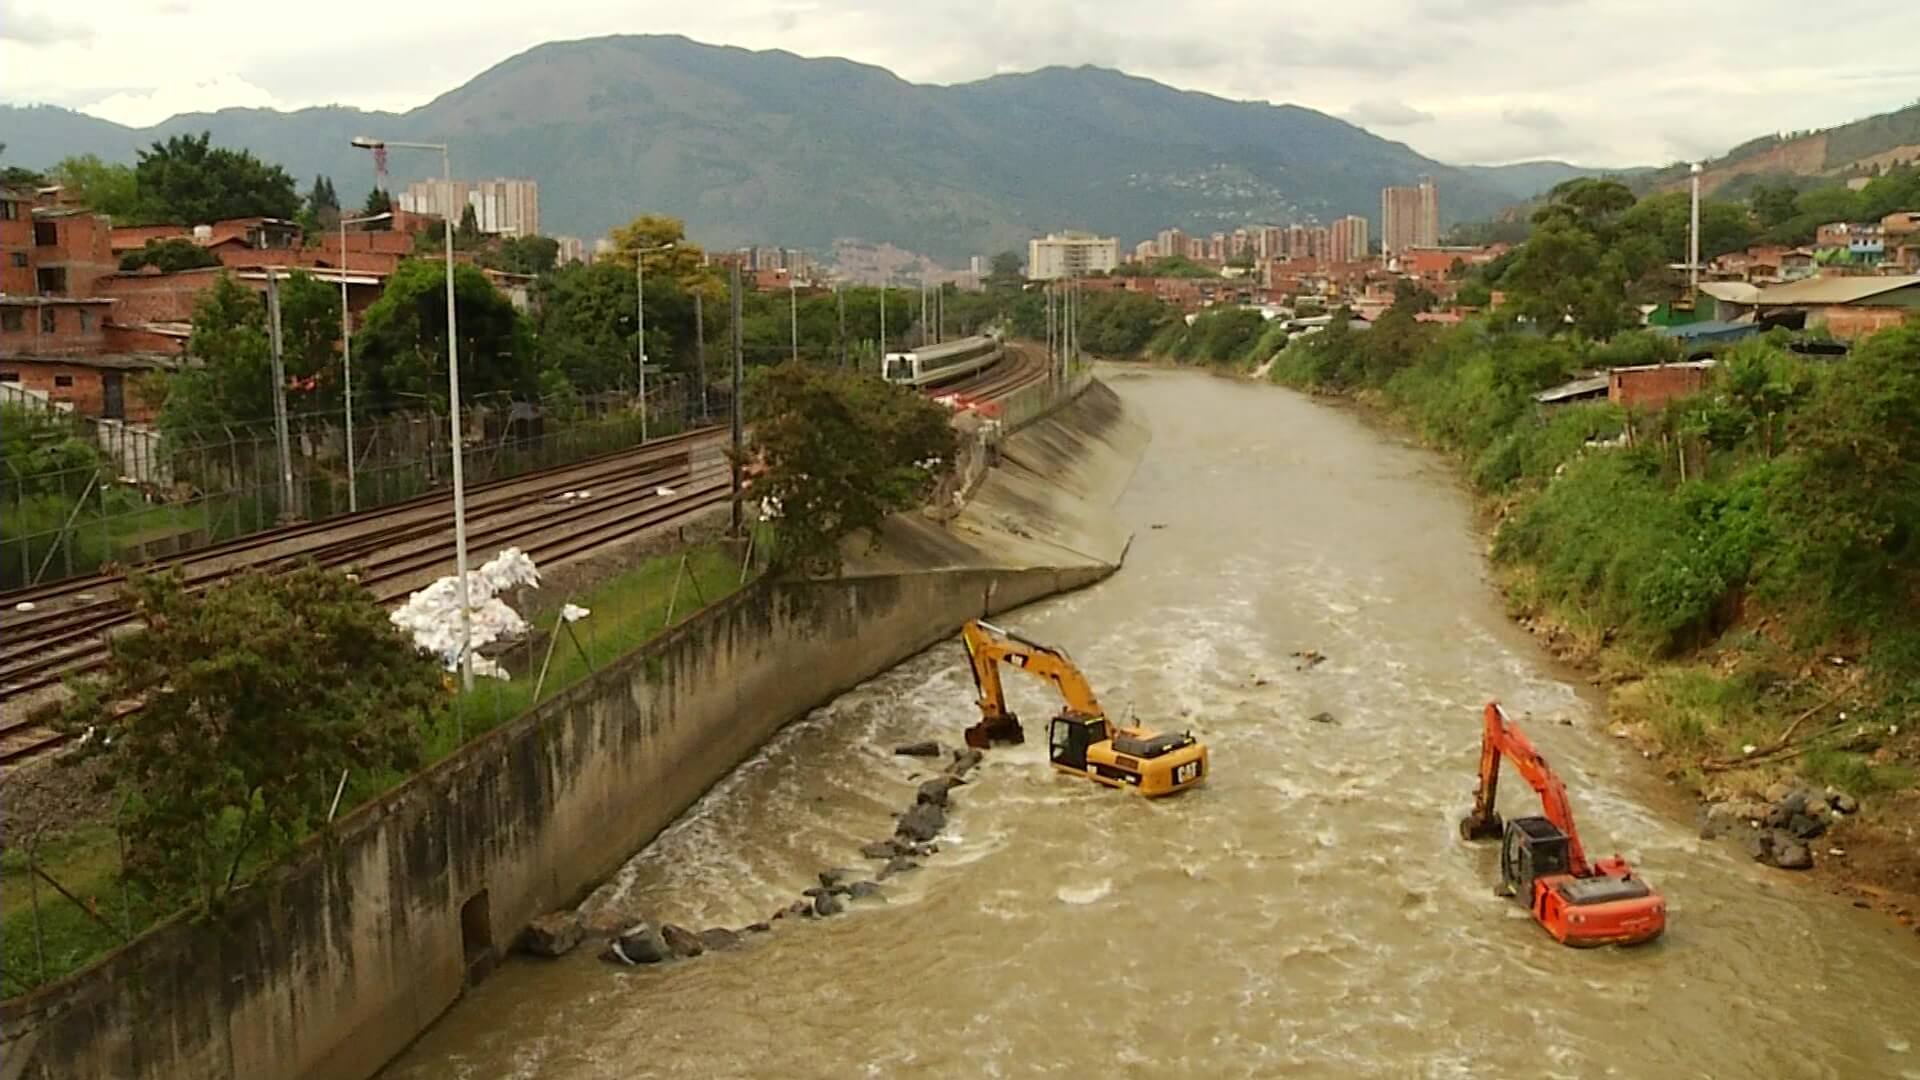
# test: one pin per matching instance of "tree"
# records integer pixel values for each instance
(255, 694)
(523, 254)
(187, 181)
(322, 204)
(169, 255)
(102, 186)
(585, 325)
(1775, 204)
(377, 203)
(842, 451)
(14, 176)
(469, 230)
(402, 351)
(1005, 266)
(233, 381)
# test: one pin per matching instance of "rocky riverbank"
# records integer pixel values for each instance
(632, 939)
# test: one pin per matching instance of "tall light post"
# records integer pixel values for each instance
(346, 352)
(1693, 240)
(793, 307)
(640, 319)
(453, 405)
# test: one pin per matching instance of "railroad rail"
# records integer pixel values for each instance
(51, 632)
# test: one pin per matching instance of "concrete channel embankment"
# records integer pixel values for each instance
(336, 963)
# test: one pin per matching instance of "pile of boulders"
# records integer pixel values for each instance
(637, 941)
(1779, 830)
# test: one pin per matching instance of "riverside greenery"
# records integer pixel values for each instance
(1726, 546)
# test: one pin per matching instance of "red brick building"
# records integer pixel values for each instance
(60, 336)
(1653, 385)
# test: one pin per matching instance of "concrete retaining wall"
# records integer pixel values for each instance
(335, 965)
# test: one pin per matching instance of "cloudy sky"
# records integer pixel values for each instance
(1601, 82)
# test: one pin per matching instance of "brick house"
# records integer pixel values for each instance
(1653, 385)
(59, 338)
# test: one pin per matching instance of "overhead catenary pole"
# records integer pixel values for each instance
(734, 291)
(700, 352)
(840, 304)
(279, 371)
(640, 320)
(346, 352)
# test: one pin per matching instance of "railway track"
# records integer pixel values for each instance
(51, 632)
(393, 551)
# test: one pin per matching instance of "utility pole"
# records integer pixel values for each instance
(793, 310)
(1048, 293)
(883, 326)
(734, 290)
(280, 396)
(840, 302)
(700, 352)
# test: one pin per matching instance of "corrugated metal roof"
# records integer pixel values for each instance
(1733, 292)
(1594, 386)
(1835, 290)
(1708, 331)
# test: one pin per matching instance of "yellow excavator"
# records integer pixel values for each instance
(1080, 740)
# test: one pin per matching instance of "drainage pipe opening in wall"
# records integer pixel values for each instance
(476, 927)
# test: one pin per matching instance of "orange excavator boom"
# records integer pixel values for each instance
(1501, 740)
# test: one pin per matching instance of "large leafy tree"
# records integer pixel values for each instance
(233, 381)
(842, 451)
(401, 354)
(523, 254)
(255, 694)
(106, 187)
(169, 255)
(188, 181)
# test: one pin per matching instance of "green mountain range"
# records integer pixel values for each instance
(772, 148)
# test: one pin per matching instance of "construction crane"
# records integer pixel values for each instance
(1080, 740)
(1541, 860)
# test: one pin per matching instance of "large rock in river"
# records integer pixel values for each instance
(639, 945)
(922, 823)
(682, 941)
(552, 934)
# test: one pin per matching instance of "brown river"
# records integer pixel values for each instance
(1309, 912)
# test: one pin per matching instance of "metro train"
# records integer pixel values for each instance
(943, 363)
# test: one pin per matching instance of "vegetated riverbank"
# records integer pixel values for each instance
(1740, 568)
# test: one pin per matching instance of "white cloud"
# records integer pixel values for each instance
(1534, 119)
(23, 26)
(1387, 112)
(144, 108)
(1713, 83)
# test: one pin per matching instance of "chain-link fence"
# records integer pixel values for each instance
(130, 494)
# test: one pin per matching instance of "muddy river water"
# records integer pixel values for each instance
(1309, 912)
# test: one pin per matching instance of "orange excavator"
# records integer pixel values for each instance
(1080, 739)
(1541, 861)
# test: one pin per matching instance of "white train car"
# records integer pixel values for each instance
(943, 363)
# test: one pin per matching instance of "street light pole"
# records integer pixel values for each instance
(640, 319)
(453, 406)
(793, 307)
(1693, 240)
(346, 353)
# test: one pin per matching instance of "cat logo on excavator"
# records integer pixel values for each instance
(1080, 740)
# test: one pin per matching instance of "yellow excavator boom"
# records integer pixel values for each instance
(1080, 739)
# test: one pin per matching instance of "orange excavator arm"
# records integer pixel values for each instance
(1500, 739)
(989, 646)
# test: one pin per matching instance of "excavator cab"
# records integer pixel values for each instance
(1534, 848)
(1070, 735)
